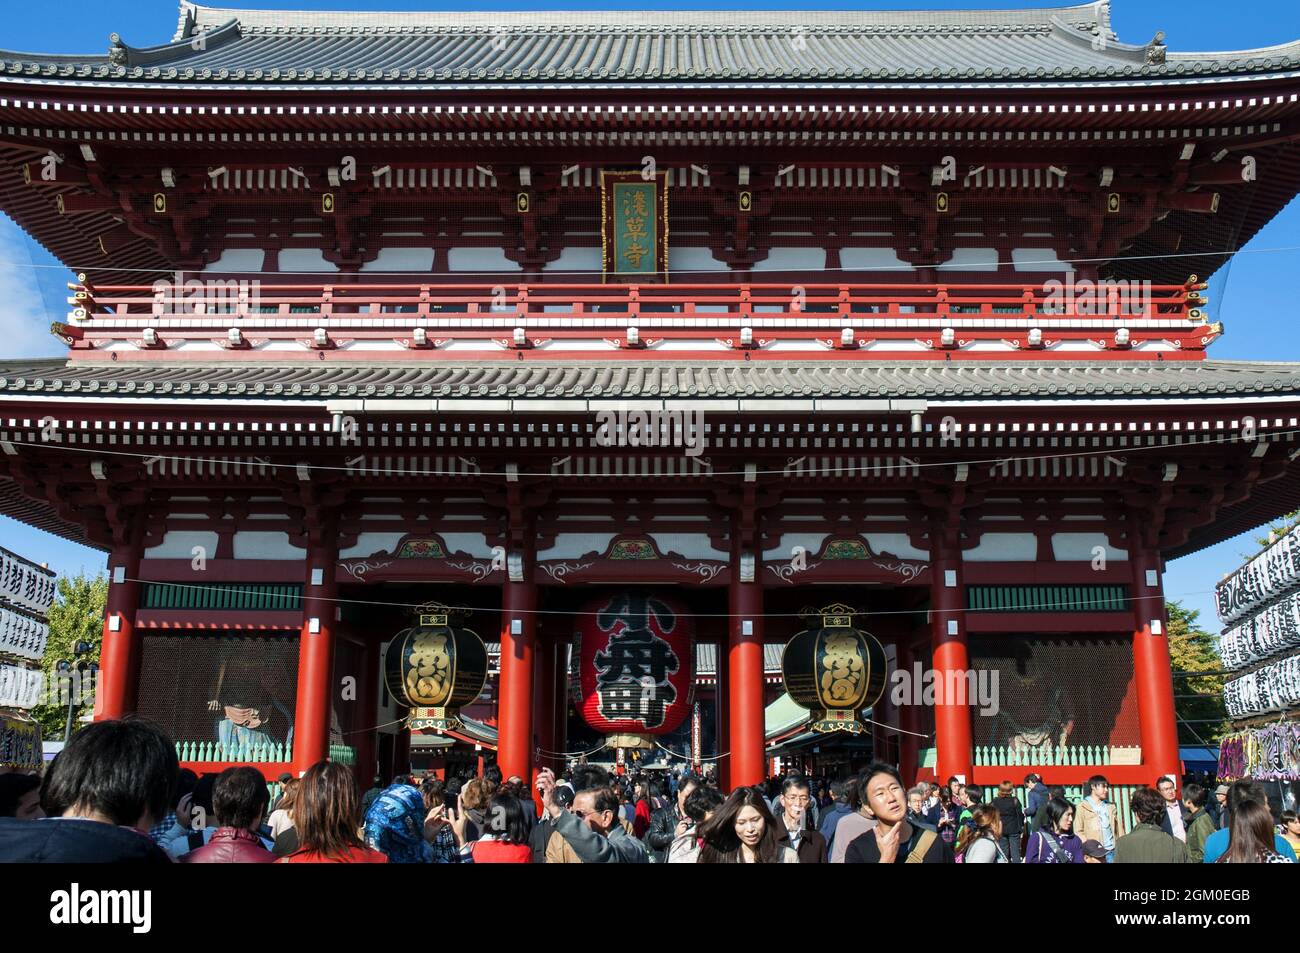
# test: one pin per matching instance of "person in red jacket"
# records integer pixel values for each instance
(240, 799)
(327, 815)
(645, 808)
(506, 839)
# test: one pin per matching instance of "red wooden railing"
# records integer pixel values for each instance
(1129, 301)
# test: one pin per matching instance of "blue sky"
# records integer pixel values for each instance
(1253, 297)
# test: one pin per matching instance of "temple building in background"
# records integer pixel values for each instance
(639, 346)
(26, 594)
(1259, 605)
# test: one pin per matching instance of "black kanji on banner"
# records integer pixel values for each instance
(632, 670)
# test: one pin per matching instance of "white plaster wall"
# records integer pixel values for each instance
(368, 543)
(1038, 259)
(693, 259)
(401, 259)
(238, 259)
(972, 259)
(305, 259)
(258, 545)
(898, 544)
(810, 542)
(479, 259)
(573, 545)
(1003, 547)
(1078, 547)
(783, 258)
(578, 259)
(690, 545)
(179, 544)
(475, 544)
(874, 259)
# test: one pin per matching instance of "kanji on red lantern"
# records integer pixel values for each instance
(636, 663)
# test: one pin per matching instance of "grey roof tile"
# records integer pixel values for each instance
(533, 380)
(1060, 44)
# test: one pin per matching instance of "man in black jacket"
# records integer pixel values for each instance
(663, 822)
(102, 793)
(796, 833)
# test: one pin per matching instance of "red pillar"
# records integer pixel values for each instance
(952, 727)
(544, 702)
(311, 727)
(1152, 672)
(515, 708)
(722, 719)
(119, 655)
(745, 668)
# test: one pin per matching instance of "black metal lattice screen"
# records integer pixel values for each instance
(253, 679)
(1053, 688)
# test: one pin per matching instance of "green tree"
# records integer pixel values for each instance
(1280, 528)
(76, 616)
(1197, 697)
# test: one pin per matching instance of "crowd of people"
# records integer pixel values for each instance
(116, 793)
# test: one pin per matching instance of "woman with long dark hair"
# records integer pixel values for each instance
(743, 831)
(1250, 837)
(326, 816)
(1055, 842)
(643, 807)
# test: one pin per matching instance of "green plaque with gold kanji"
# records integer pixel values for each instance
(634, 237)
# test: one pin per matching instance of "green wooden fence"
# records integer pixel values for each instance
(1091, 598)
(231, 596)
(216, 751)
(1119, 796)
(202, 751)
(1042, 757)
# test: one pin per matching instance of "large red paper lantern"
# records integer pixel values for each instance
(636, 654)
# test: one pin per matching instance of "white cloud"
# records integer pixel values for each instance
(24, 319)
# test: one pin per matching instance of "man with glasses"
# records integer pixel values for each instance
(591, 827)
(804, 839)
(812, 817)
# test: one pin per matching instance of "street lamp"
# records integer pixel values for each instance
(64, 667)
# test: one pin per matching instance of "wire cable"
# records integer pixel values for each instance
(1054, 606)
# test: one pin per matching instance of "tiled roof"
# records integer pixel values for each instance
(706, 658)
(650, 380)
(1054, 44)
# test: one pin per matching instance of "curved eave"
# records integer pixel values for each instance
(262, 49)
(1017, 85)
